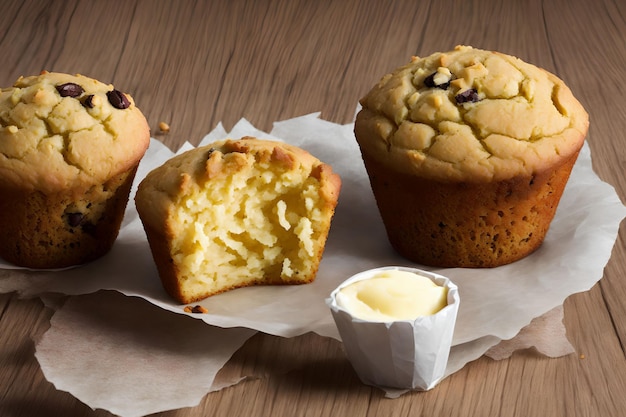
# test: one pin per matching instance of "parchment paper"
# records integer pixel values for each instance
(131, 358)
(571, 259)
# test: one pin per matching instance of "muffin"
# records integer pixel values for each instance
(69, 149)
(237, 213)
(468, 153)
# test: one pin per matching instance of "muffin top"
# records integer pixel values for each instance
(470, 115)
(61, 131)
(219, 162)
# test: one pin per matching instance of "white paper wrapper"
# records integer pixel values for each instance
(405, 354)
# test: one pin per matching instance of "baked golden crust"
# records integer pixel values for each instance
(468, 153)
(524, 120)
(237, 213)
(51, 141)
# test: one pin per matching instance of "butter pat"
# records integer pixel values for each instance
(392, 295)
(396, 325)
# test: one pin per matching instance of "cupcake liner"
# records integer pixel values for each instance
(405, 354)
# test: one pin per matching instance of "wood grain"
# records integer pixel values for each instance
(194, 64)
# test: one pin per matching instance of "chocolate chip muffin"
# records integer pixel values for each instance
(69, 149)
(237, 213)
(468, 153)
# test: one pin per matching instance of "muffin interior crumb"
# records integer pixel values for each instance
(225, 241)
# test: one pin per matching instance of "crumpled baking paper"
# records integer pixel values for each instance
(546, 334)
(132, 358)
(496, 303)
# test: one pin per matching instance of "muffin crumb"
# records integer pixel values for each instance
(164, 127)
(197, 309)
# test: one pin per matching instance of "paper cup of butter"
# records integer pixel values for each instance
(396, 325)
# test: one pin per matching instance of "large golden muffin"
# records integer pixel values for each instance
(468, 153)
(69, 149)
(237, 213)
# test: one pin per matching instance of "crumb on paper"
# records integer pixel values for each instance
(582, 356)
(198, 309)
(164, 127)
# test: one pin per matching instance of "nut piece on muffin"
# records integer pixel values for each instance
(468, 153)
(237, 213)
(69, 149)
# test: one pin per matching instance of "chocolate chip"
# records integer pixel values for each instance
(70, 90)
(467, 96)
(430, 82)
(89, 228)
(73, 219)
(118, 99)
(88, 101)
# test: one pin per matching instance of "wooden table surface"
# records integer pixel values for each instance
(193, 64)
